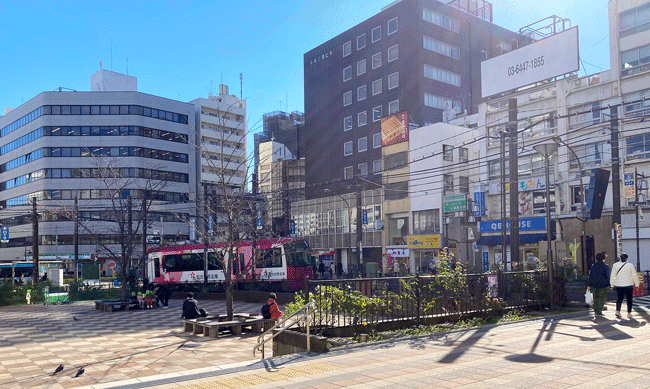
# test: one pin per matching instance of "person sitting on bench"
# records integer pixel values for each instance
(191, 308)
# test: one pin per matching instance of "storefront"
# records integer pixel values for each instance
(532, 230)
(397, 261)
(424, 252)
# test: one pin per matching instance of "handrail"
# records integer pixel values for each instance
(261, 341)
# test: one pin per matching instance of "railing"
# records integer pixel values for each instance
(306, 317)
(341, 303)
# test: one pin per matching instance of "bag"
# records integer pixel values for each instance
(589, 298)
(266, 311)
(203, 312)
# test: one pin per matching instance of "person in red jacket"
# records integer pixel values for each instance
(273, 307)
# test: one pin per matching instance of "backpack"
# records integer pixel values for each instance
(266, 311)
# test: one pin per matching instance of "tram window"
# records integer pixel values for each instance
(269, 258)
(182, 262)
(215, 261)
(156, 266)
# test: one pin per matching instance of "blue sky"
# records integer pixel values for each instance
(177, 48)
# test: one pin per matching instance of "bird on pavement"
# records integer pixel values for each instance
(79, 372)
(58, 369)
(74, 318)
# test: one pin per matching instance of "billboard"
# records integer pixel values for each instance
(394, 129)
(544, 59)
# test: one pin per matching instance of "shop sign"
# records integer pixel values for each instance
(527, 184)
(423, 241)
(525, 224)
(398, 253)
(628, 185)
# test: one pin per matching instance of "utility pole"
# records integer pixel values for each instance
(616, 173)
(129, 229)
(503, 200)
(636, 218)
(144, 234)
(514, 184)
(205, 240)
(76, 238)
(35, 241)
(360, 234)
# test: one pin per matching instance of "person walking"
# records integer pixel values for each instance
(598, 284)
(624, 279)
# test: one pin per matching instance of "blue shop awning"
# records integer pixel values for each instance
(494, 240)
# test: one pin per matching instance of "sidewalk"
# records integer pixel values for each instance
(148, 349)
(565, 351)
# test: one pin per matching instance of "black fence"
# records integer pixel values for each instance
(353, 302)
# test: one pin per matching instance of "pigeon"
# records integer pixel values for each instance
(58, 369)
(74, 318)
(79, 372)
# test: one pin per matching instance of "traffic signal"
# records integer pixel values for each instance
(596, 193)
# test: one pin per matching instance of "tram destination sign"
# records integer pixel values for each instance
(547, 58)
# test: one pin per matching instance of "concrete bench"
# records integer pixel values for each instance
(258, 323)
(111, 306)
(211, 328)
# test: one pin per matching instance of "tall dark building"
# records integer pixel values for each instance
(419, 56)
(282, 127)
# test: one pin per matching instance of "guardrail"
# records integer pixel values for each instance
(301, 314)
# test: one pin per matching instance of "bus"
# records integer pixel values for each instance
(277, 261)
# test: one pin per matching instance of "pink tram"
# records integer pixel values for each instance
(276, 261)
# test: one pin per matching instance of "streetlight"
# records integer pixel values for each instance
(349, 219)
(546, 149)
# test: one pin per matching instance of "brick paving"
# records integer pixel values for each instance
(148, 349)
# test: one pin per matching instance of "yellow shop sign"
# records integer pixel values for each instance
(424, 241)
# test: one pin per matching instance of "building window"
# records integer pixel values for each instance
(392, 26)
(361, 93)
(347, 123)
(393, 80)
(376, 87)
(377, 113)
(348, 173)
(362, 144)
(440, 20)
(441, 47)
(376, 60)
(439, 102)
(463, 184)
(376, 140)
(393, 53)
(397, 160)
(376, 34)
(347, 98)
(635, 20)
(347, 148)
(347, 48)
(361, 41)
(448, 153)
(637, 147)
(463, 154)
(632, 61)
(362, 118)
(363, 169)
(376, 166)
(361, 67)
(398, 191)
(448, 183)
(347, 74)
(426, 222)
(393, 107)
(441, 75)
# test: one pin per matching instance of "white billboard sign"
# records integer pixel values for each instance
(544, 59)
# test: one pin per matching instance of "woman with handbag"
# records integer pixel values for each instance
(624, 279)
(599, 283)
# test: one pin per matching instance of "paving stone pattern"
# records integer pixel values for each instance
(115, 346)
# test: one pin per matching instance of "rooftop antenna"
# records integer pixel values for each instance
(210, 86)
(111, 54)
(100, 65)
(221, 81)
(241, 86)
(127, 66)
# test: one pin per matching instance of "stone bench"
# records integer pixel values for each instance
(211, 328)
(112, 306)
(258, 323)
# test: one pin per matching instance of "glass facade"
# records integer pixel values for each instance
(114, 110)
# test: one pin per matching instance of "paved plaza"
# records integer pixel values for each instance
(148, 349)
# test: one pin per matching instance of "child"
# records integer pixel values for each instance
(141, 301)
(148, 298)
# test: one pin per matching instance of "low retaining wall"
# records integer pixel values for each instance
(291, 342)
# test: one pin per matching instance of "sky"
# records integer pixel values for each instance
(182, 49)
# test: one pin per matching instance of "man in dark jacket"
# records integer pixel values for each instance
(191, 308)
(599, 282)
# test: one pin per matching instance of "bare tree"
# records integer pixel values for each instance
(119, 207)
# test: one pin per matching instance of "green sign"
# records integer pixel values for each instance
(455, 203)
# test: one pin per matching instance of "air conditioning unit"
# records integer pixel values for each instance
(577, 83)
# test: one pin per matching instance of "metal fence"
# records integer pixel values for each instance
(341, 303)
